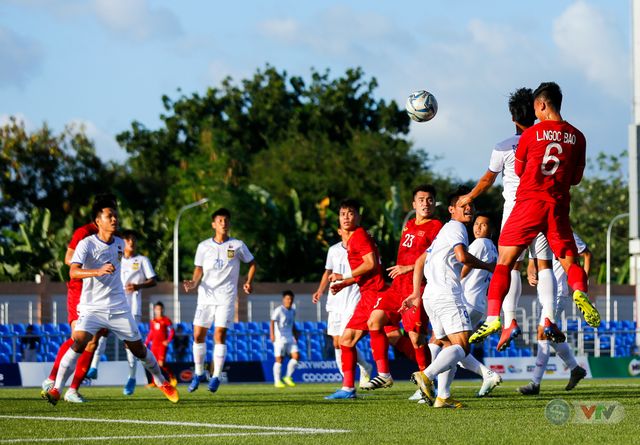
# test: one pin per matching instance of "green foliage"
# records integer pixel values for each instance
(600, 196)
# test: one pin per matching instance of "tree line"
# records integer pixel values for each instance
(280, 151)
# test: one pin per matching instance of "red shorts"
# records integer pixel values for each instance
(532, 216)
(72, 306)
(160, 352)
(413, 320)
(362, 312)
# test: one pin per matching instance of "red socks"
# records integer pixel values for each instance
(423, 357)
(348, 366)
(405, 346)
(380, 349)
(498, 288)
(61, 351)
(84, 361)
(577, 278)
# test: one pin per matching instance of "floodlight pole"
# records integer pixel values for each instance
(608, 284)
(634, 162)
(176, 279)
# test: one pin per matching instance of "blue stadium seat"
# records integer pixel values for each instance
(316, 355)
(322, 326)
(253, 326)
(310, 326)
(265, 325)
(64, 329)
(19, 328)
(239, 327)
(49, 357)
(242, 356)
(187, 328)
(5, 329)
(299, 326)
(4, 358)
(6, 348)
(303, 354)
(50, 329)
(256, 356)
(270, 354)
(256, 344)
(241, 345)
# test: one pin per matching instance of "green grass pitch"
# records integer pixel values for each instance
(381, 417)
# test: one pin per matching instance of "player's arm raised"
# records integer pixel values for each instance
(191, 284)
(482, 186)
(467, 259)
(322, 287)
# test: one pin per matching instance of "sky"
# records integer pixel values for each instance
(104, 63)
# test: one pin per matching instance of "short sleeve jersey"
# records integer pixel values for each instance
(75, 286)
(549, 158)
(416, 238)
(476, 283)
(360, 244)
(348, 297)
(442, 269)
(283, 319)
(105, 293)
(220, 264)
(502, 161)
(136, 270)
(160, 330)
(558, 270)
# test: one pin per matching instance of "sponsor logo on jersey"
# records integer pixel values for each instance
(231, 253)
(135, 266)
(421, 233)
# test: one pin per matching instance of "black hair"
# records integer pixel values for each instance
(129, 234)
(350, 204)
(550, 93)
(521, 107)
(457, 193)
(159, 303)
(221, 212)
(485, 215)
(288, 292)
(103, 201)
(427, 188)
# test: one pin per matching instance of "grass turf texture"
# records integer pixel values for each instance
(383, 416)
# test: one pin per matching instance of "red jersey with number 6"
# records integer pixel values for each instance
(415, 240)
(550, 158)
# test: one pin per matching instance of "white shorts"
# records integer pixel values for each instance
(539, 247)
(218, 315)
(123, 325)
(447, 314)
(284, 346)
(337, 322)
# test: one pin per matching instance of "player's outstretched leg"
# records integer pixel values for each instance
(577, 374)
(199, 352)
(564, 351)
(490, 379)
(348, 390)
(589, 311)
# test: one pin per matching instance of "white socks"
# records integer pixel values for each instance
(364, 365)
(511, 299)
(133, 361)
(277, 371)
(444, 383)
(472, 364)
(150, 363)
(219, 355)
(547, 289)
(446, 359)
(541, 361)
(67, 363)
(339, 360)
(102, 345)
(435, 350)
(564, 351)
(199, 352)
(291, 366)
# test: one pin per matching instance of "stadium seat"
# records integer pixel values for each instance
(310, 326)
(4, 358)
(64, 329)
(253, 326)
(239, 327)
(265, 325)
(322, 326)
(19, 328)
(316, 355)
(5, 329)
(6, 348)
(49, 357)
(242, 356)
(256, 356)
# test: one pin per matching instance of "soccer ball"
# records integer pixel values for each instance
(421, 106)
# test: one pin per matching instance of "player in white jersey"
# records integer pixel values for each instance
(283, 335)
(503, 162)
(103, 305)
(444, 302)
(562, 349)
(475, 283)
(340, 306)
(137, 273)
(216, 273)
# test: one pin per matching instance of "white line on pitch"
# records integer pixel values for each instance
(173, 423)
(176, 436)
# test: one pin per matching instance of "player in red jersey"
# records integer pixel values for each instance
(550, 158)
(417, 236)
(74, 290)
(160, 335)
(366, 272)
